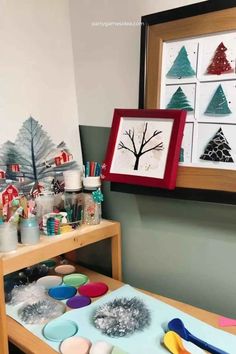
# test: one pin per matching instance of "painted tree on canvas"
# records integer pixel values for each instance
(35, 154)
(220, 64)
(138, 148)
(181, 66)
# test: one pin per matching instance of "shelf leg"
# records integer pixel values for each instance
(116, 255)
(3, 319)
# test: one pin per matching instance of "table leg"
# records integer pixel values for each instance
(3, 319)
(116, 255)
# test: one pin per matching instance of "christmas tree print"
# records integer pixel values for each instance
(181, 155)
(181, 66)
(218, 104)
(219, 64)
(179, 101)
(218, 149)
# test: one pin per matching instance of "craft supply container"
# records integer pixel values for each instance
(8, 237)
(92, 205)
(73, 205)
(72, 180)
(44, 205)
(29, 231)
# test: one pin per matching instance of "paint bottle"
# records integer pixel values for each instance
(92, 200)
(8, 237)
(29, 231)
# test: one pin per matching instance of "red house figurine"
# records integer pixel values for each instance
(9, 194)
(64, 157)
(14, 167)
(2, 174)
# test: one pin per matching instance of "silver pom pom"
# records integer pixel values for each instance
(122, 317)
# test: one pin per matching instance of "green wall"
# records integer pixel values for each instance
(181, 249)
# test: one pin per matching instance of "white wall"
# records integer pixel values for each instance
(36, 69)
(107, 58)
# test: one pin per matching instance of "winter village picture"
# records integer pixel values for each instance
(31, 160)
(199, 76)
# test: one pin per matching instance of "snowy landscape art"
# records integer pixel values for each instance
(33, 155)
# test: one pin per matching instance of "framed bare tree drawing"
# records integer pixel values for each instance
(144, 147)
(188, 62)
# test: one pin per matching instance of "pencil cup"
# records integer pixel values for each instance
(72, 179)
(73, 205)
(8, 237)
(29, 231)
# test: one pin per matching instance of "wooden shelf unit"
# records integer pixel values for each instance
(50, 246)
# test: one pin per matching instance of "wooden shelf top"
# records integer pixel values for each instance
(51, 246)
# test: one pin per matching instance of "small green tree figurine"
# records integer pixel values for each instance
(179, 101)
(218, 104)
(181, 66)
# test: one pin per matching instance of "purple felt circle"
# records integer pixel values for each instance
(78, 301)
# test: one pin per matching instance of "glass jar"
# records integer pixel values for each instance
(8, 237)
(73, 205)
(29, 231)
(92, 200)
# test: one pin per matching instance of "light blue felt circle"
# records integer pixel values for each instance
(59, 330)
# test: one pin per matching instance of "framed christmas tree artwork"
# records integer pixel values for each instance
(188, 61)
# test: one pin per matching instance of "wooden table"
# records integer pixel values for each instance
(31, 344)
(51, 246)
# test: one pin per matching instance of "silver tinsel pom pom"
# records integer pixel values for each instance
(122, 317)
(41, 311)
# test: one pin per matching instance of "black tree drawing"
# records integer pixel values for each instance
(34, 151)
(141, 148)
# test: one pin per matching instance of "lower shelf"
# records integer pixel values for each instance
(30, 344)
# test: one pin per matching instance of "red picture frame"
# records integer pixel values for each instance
(144, 147)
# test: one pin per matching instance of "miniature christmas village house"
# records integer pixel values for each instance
(14, 167)
(2, 174)
(63, 158)
(9, 194)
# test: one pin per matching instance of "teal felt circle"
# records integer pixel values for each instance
(58, 330)
(75, 279)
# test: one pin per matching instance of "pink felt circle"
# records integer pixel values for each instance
(65, 269)
(93, 289)
(75, 345)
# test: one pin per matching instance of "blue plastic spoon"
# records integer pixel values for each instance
(178, 327)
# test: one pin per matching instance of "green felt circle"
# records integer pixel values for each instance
(49, 263)
(75, 279)
(117, 350)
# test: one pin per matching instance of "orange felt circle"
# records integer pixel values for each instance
(75, 345)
